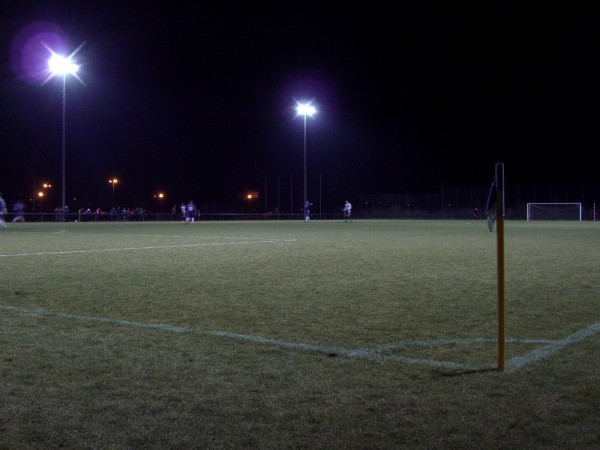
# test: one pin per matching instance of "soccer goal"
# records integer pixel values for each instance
(554, 211)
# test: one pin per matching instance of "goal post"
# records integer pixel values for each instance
(554, 211)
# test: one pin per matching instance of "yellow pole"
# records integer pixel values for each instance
(500, 257)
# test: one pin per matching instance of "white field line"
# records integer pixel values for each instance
(377, 353)
(332, 351)
(519, 362)
(162, 236)
(440, 342)
(154, 247)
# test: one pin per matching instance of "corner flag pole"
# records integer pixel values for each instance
(500, 260)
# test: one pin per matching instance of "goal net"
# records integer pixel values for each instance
(554, 211)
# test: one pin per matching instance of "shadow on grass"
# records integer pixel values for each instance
(458, 373)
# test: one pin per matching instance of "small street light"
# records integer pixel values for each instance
(41, 197)
(160, 199)
(42, 193)
(113, 181)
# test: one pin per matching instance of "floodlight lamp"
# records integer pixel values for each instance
(59, 65)
(305, 109)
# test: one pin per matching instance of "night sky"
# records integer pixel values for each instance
(197, 99)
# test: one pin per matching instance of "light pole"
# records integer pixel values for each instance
(113, 182)
(59, 65)
(305, 109)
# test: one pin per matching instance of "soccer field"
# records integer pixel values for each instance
(298, 335)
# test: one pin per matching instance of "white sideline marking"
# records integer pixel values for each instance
(519, 362)
(364, 353)
(436, 342)
(156, 247)
(162, 236)
(371, 354)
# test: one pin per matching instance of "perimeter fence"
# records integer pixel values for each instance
(456, 202)
(465, 202)
(163, 217)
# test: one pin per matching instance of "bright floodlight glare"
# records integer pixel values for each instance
(62, 65)
(59, 65)
(305, 109)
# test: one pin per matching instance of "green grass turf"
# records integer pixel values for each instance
(373, 334)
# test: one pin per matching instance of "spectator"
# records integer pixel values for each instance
(3, 212)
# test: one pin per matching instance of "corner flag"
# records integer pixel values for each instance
(494, 210)
(490, 207)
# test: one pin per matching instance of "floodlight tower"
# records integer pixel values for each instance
(59, 65)
(305, 109)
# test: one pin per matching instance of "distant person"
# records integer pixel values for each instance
(347, 211)
(182, 208)
(19, 211)
(307, 206)
(190, 212)
(3, 212)
(476, 213)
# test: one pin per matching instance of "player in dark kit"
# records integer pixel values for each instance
(190, 212)
(307, 206)
(347, 211)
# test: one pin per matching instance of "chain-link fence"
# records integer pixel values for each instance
(468, 202)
